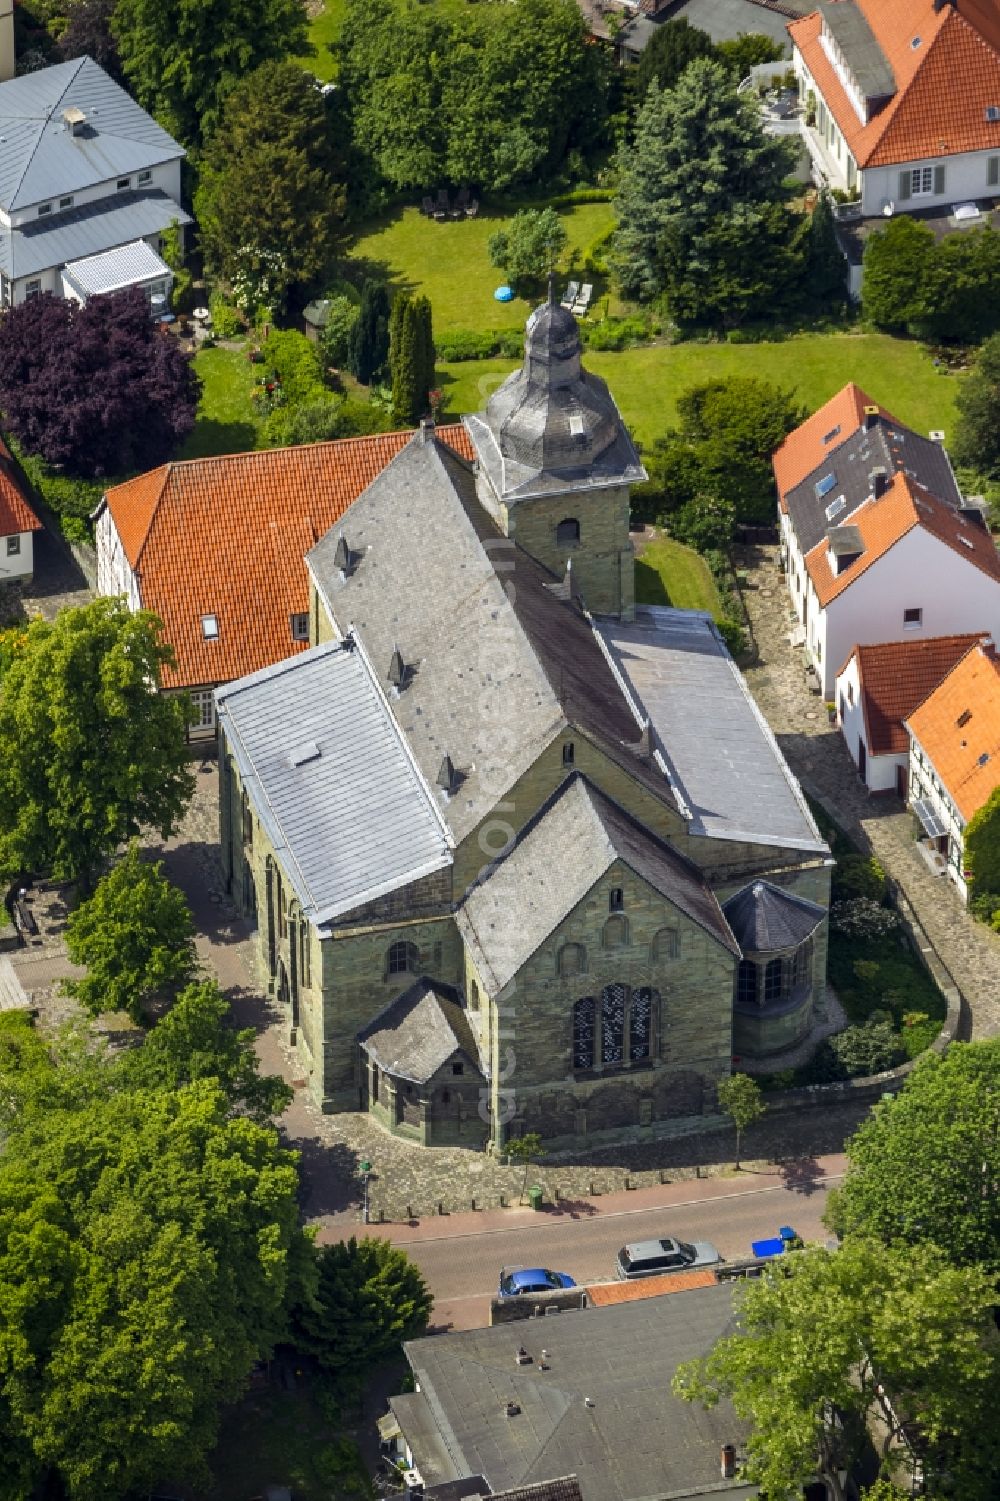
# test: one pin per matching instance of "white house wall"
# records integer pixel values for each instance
(166, 177)
(115, 575)
(880, 771)
(20, 564)
(965, 178)
(919, 572)
(926, 784)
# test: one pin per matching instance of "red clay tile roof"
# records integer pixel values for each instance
(896, 677)
(16, 514)
(943, 86)
(227, 537)
(607, 1293)
(884, 521)
(804, 450)
(966, 755)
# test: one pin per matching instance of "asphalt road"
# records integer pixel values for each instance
(462, 1269)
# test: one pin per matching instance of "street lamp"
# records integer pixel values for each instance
(365, 1169)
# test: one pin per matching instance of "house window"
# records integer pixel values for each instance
(458, 1068)
(993, 171)
(445, 1097)
(746, 983)
(402, 959)
(666, 945)
(33, 289)
(210, 627)
(843, 707)
(568, 532)
(43, 209)
(572, 959)
(144, 177)
(583, 1033)
(616, 932)
(569, 751)
(912, 618)
(616, 899)
(925, 180)
(123, 183)
(13, 546)
(66, 202)
(300, 627)
(850, 694)
(203, 701)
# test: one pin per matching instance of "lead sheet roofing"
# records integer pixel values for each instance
(333, 782)
(723, 760)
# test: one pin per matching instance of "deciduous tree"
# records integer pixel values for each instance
(740, 1099)
(925, 1167)
(271, 176)
(895, 261)
(96, 389)
(524, 1150)
(90, 751)
(828, 1333)
(977, 431)
(528, 246)
(732, 427)
(135, 937)
(182, 57)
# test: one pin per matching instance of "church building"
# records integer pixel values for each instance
(523, 855)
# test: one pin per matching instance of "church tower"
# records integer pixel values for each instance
(556, 463)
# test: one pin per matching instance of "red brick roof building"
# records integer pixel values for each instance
(18, 523)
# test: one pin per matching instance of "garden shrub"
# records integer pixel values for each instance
(583, 195)
(466, 344)
(870, 1049)
(857, 875)
(595, 257)
(616, 333)
(982, 844)
(704, 522)
(985, 906)
(71, 501)
(862, 918)
(294, 362)
(335, 340)
(733, 635)
(227, 321)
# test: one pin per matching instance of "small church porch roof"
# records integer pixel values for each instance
(419, 1031)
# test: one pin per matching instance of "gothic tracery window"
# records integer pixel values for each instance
(583, 1033)
(613, 1003)
(640, 1031)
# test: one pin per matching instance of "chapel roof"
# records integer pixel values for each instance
(419, 1031)
(764, 918)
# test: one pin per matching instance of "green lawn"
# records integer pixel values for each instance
(227, 422)
(668, 573)
(645, 381)
(448, 261)
(324, 30)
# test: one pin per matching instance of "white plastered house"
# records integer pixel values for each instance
(18, 525)
(89, 184)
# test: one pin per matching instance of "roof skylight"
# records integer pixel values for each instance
(825, 485)
(829, 437)
(835, 507)
(210, 627)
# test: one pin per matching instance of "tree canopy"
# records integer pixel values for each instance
(182, 57)
(977, 430)
(90, 752)
(830, 1332)
(135, 936)
(528, 246)
(494, 94)
(411, 357)
(701, 201)
(96, 389)
(673, 45)
(271, 177)
(149, 1253)
(925, 1167)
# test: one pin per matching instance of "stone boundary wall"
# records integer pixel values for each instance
(85, 558)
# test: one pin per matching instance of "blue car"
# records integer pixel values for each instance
(517, 1280)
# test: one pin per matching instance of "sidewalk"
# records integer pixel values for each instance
(816, 752)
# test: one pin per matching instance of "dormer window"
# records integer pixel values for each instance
(210, 627)
(300, 627)
(144, 178)
(829, 437)
(43, 209)
(66, 202)
(123, 184)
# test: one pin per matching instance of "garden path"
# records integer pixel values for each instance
(816, 752)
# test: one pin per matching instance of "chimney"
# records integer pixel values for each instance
(878, 479)
(342, 555)
(426, 429)
(75, 119)
(871, 418)
(7, 55)
(727, 1461)
(447, 777)
(397, 669)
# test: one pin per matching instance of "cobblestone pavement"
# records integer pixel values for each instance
(816, 752)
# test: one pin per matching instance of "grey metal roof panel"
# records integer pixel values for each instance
(557, 858)
(850, 30)
(764, 918)
(418, 1031)
(350, 815)
(42, 158)
(723, 761)
(88, 230)
(888, 445)
(113, 269)
(622, 1359)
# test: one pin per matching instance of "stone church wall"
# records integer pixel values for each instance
(603, 517)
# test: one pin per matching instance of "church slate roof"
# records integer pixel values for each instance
(497, 665)
(765, 918)
(332, 780)
(553, 425)
(415, 1035)
(574, 839)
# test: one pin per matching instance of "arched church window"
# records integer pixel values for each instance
(640, 1032)
(746, 983)
(583, 1033)
(402, 959)
(572, 959)
(666, 944)
(568, 532)
(616, 932)
(613, 1002)
(772, 980)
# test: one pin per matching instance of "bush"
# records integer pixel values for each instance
(335, 340)
(466, 344)
(704, 522)
(862, 918)
(986, 906)
(227, 321)
(294, 362)
(857, 875)
(733, 634)
(616, 333)
(870, 1049)
(71, 501)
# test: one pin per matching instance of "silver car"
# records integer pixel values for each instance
(652, 1258)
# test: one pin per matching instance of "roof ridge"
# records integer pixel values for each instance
(41, 129)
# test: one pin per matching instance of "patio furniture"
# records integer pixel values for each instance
(572, 293)
(441, 206)
(461, 203)
(473, 209)
(583, 301)
(427, 205)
